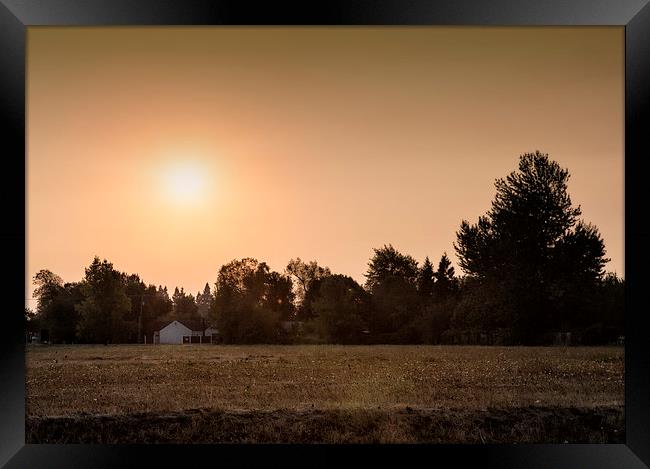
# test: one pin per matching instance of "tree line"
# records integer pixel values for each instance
(531, 269)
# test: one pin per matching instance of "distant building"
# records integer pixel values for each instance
(186, 332)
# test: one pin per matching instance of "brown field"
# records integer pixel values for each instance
(322, 393)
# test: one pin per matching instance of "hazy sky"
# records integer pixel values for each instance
(171, 151)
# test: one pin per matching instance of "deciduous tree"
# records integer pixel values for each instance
(342, 309)
(250, 301)
(307, 277)
(105, 309)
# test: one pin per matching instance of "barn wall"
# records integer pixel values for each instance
(173, 333)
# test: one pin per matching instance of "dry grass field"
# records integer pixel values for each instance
(322, 393)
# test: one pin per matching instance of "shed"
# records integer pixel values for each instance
(186, 332)
(173, 333)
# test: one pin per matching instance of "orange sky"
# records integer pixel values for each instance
(314, 142)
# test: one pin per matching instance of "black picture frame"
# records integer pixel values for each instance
(634, 15)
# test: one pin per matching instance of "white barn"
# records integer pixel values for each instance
(173, 333)
(178, 333)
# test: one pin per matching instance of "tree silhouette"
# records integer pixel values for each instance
(386, 263)
(426, 280)
(156, 310)
(279, 295)
(531, 244)
(184, 305)
(135, 290)
(56, 306)
(204, 301)
(342, 309)
(446, 284)
(308, 276)
(250, 301)
(392, 281)
(47, 288)
(105, 308)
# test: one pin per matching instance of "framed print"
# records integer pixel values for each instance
(414, 230)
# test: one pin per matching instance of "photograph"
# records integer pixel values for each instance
(325, 235)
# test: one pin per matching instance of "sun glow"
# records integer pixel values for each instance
(185, 182)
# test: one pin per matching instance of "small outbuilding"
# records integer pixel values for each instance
(186, 332)
(173, 333)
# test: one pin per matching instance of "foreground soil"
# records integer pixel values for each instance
(328, 394)
(520, 425)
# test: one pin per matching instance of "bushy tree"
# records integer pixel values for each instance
(437, 290)
(604, 322)
(532, 245)
(395, 303)
(48, 285)
(56, 306)
(611, 299)
(184, 305)
(388, 263)
(392, 281)
(157, 311)
(481, 306)
(307, 278)
(250, 301)
(162, 304)
(105, 311)
(279, 295)
(342, 309)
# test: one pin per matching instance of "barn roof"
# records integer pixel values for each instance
(172, 322)
(191, 324)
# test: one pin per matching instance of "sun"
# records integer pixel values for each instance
(185, 182)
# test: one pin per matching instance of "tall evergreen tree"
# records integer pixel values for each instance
(163, 305)
(446, 283)
(532, 246)
(184, 305)
(426, 280)
(135, 290)
(204, 301)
